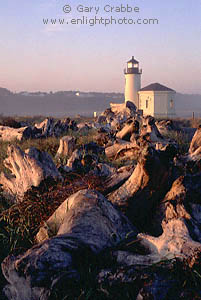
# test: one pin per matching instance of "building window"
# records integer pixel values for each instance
(147, 103)
(171, 103)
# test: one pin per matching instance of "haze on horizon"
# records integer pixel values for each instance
(42, 57)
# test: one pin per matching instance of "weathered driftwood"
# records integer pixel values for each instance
(149, 181)
(10, 134)
(161, 281)
(83, 127)
(179, 216)
(117, 147)
(115, 180)
(61, 127)
(27, 168)
(46, 127)
(85, 156)
(66, 147)
(104, 170)
(104, 137)
(150, 128)
(174, 242)
(86, 224)
(50, 128)
(74, 162)
(195, 146)
(118, 113)
(166, 126)
(183, 201)
(128, 129)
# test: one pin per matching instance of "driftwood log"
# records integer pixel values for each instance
(150, 128)
(117, 179)
(28, 169)
(46, 127)
(50, 128)
(195, 146)
(150, 181)
(11, 134)
(86, 224)
(119, 147)
(118, 113)
(66, 146)
(179, 219)
(128, 129)
(166, 126)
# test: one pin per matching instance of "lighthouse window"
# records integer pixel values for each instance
(147, 103)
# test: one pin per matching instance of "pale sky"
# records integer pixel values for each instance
(42, 57)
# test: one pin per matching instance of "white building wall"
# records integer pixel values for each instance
(162, 107)
(159, 104)
(171, 105)
(132, 86)
(146, 102)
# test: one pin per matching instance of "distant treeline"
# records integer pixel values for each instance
(71, 103)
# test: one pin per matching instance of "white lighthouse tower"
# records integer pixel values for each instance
(133, 81)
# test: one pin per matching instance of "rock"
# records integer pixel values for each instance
(66, 147)
(86, 224)
(28, 169)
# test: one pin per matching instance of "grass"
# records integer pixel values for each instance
(182, 139)
(50, 144)
(84, 137)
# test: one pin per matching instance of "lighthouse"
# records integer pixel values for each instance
(133, 81)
